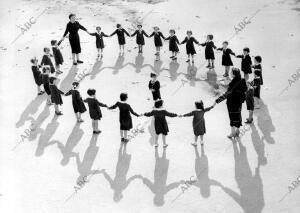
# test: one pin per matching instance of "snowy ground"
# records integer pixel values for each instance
(39, 173)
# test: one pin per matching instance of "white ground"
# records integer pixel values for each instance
(39, 174)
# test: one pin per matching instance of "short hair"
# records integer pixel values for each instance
(52, 79)
(139, 25)
(158, 103)
(33, 60)
(199, 105)
(123, 96)
(246, 49)
(71, 15)
(225, 42)
(53, 42)
(257, 72)
(91, 92)
(156, 27)
(118, 25)
(258, 59)
(172, 31)
(46, 49)
(46, 68)
(152, 75)
(189, 32)
(75, 84)
(98, 28)
(210, 36)
(236, 72)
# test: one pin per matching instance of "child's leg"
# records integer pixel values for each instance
(196, 139)
(93, 125)
(98, 50)
(101, 52)
(156, 141)
(38, 89)
(96, 125)
(212, 63)
(74, 58)
(246, 76)
(164, 140)
(193, 58)
(201, 138)
(125, 134)
(250, 115)
(56, 108)
(227, 68)
(78, 58)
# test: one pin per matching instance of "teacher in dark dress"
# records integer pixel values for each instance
(235, 96)
(72, 28)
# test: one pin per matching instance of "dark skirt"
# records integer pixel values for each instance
(190, 49)
(126, 124)
(209, 54)
(250, 103)
(100, 44)
(47, 88)
(37, 76)
(161, 127)
(257, 91)
(199, 127)
(235, 115)
(75, 43)
(157, 41)
(79, 106)
(156, 95)
(121, 40)
(140, 40)
(226, 60)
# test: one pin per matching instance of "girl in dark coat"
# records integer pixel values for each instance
(99, 40)
(249, 102)
(209, 52)
(125, 116)
(173, 47)
(258, 80)
(94, 109)
(226, 59)
(257, 67)
(46, 60)
(154, 86)
(121, 36)
(77, 101)
(55, 95)
(157, 39)
(37, 75)
(199, 121)
(246, 62)
(45, 81)
(72, 28)
(140, 41)
(235, 96)
(58, 58)
(190, 49)
(160, 123)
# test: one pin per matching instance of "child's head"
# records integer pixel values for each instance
(189, 33)
(225, 44)
(98, 29)
(139, 26)
(257, 73)
(199, 105)
(72, 17)
(91, 92)
(172, 32)
(153, 76)
(52, 80)
(34, 61)
(53, 42)
(156, 29)
(159, 104)
(257, 59)
(236, 72)
(210, 37)
(75, 84)
(123, 96)
(46, 50)
(246, 51)
(118, 26)
(46, 69)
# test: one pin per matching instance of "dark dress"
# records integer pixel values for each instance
(58, 58)
(257, 67)
(250, 98)
(198, 120)
(246, 63)
(209, 52)
(77, 101)
(226, 59)
(235, 96)
(125, 117)
(45, 80)
(155, 86)
(72, 29)
(37, 75)
(140, 40)
(157, 38)
(173, 47)
(94, 108)
(190, 49)
(121, 37)
(56, 95)
(256, 84)
(160, 123)
(99, 39)
(46, 60)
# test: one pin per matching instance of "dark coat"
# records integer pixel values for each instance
(94, 108)
(121, 35)
(58, 58)
(190, 49)
(99, 39)
(257, 67)
(157, 38)
(160, 123)
(46, 60)
(155, 86)
(226, 59)
(140, 37)
(74, 39)
(37, 75)
(56, 94)
(125, 116)
(209, 52)
(77, 101)
(45, 80)
(256, 83)
(173, 47)
(246, 63)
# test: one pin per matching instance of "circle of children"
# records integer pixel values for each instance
(48, 80)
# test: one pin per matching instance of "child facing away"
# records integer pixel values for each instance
(46, 60)
(37, 75)
(77, 102)
(160, 123)
(140, 40)
(190, 49)
(157, 39)
(154, 87)
(246, 62)
(257, 67)
(121, 36)
(199, 121)
(125, 116)
(99, 41)
(45, 81)
(58, 58)
(94, 109)
(249, 102)
(257, 85)
(55, 95)
(173, 44)
(209, 52)
(226, 59)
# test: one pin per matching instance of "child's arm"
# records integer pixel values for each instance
(126, 32)
(113, 106)
(101, 104)
(161, 35)
(203, 44)
(176, 40)
(170, 114)
(145, 34)
(231, 52)
(209, 108)
(68, 93)
(213, 45)
(188, 114)
(104, 35)
(135, 32)
(133, 112)
(113, 33)
(184, 41)
(196, 41)
(168, 38)
(148, 114)
(239, 56)
(92, 34)
(220, 49)
(59, 91)
(151, 35)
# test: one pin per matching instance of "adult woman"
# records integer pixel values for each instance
(72, 28)
(235, 96)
